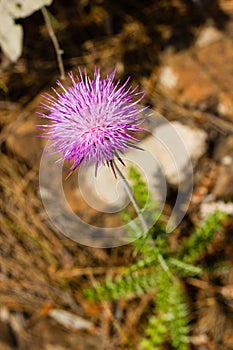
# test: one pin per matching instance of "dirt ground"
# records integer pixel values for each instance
(42, 271)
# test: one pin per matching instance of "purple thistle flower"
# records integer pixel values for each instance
(91, 120)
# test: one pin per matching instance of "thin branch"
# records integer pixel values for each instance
(53, 37)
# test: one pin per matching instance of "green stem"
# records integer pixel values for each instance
(161, 260)
(132, 198)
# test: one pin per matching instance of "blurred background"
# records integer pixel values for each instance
(180, 52)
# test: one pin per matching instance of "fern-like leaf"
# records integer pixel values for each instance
(201, 237)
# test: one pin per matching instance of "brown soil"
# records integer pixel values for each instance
(40, 269)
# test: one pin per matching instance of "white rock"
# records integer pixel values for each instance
(169, 154)
(70, 320)
(207, 208)
(208, 36)
(176, 149)
(167, 77)
(227, 160)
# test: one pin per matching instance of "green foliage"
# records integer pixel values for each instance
(139, 187)
(135, 283)
(160, 269)
(4, 89)
(179, 329)
(201, 237)
(183, 269)
(156, 332)
(169, 321)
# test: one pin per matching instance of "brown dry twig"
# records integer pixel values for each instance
(53, 37)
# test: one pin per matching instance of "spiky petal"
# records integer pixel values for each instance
(92, 121)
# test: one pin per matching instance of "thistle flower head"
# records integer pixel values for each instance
(93, 120)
